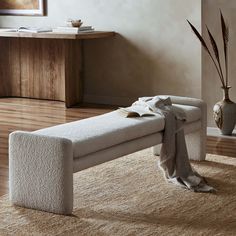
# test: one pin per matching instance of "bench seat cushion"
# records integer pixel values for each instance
(104, 131)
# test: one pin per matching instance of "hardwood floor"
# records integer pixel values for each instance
(29, 115)
(221, 146)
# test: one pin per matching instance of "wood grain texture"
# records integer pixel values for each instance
(221, 146)
(73, 70)
(10, 67)
(32, 114)
(43, 67)
(52, 35)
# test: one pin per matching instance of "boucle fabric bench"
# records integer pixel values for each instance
(42, 163)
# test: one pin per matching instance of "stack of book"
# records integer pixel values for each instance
(73, 30)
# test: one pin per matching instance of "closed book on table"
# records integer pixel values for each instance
(73, 30)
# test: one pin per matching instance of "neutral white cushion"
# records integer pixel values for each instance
(192, 113)
(100, 132)
(104, 131)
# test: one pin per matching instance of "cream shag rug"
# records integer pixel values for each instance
(129, 196)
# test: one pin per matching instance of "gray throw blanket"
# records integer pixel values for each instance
(174, 159)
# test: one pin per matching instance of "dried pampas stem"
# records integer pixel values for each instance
(225, 35)
(208, 51)
(216, 51)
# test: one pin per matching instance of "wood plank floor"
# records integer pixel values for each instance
(30, 114)
(221, 146)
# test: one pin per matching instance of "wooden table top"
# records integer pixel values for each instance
(53, 35)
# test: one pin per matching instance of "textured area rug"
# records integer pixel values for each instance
(129, 196)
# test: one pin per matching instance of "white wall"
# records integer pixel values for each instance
(154, 53)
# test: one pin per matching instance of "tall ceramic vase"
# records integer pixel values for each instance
(224, 113)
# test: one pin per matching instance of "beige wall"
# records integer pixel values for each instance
(154, 53)
(211, 90)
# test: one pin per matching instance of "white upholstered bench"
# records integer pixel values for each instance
(42, 163)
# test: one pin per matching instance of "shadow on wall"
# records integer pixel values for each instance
(117, 71)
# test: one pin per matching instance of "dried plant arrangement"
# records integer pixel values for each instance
(224, 111)
(216, 60)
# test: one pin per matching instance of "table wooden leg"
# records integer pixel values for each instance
(10, 67)
(41, 68)
(73, 73)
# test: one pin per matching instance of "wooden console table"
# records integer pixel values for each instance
(43, 65)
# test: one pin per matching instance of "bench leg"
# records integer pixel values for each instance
(196, 146)
(41, 172)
